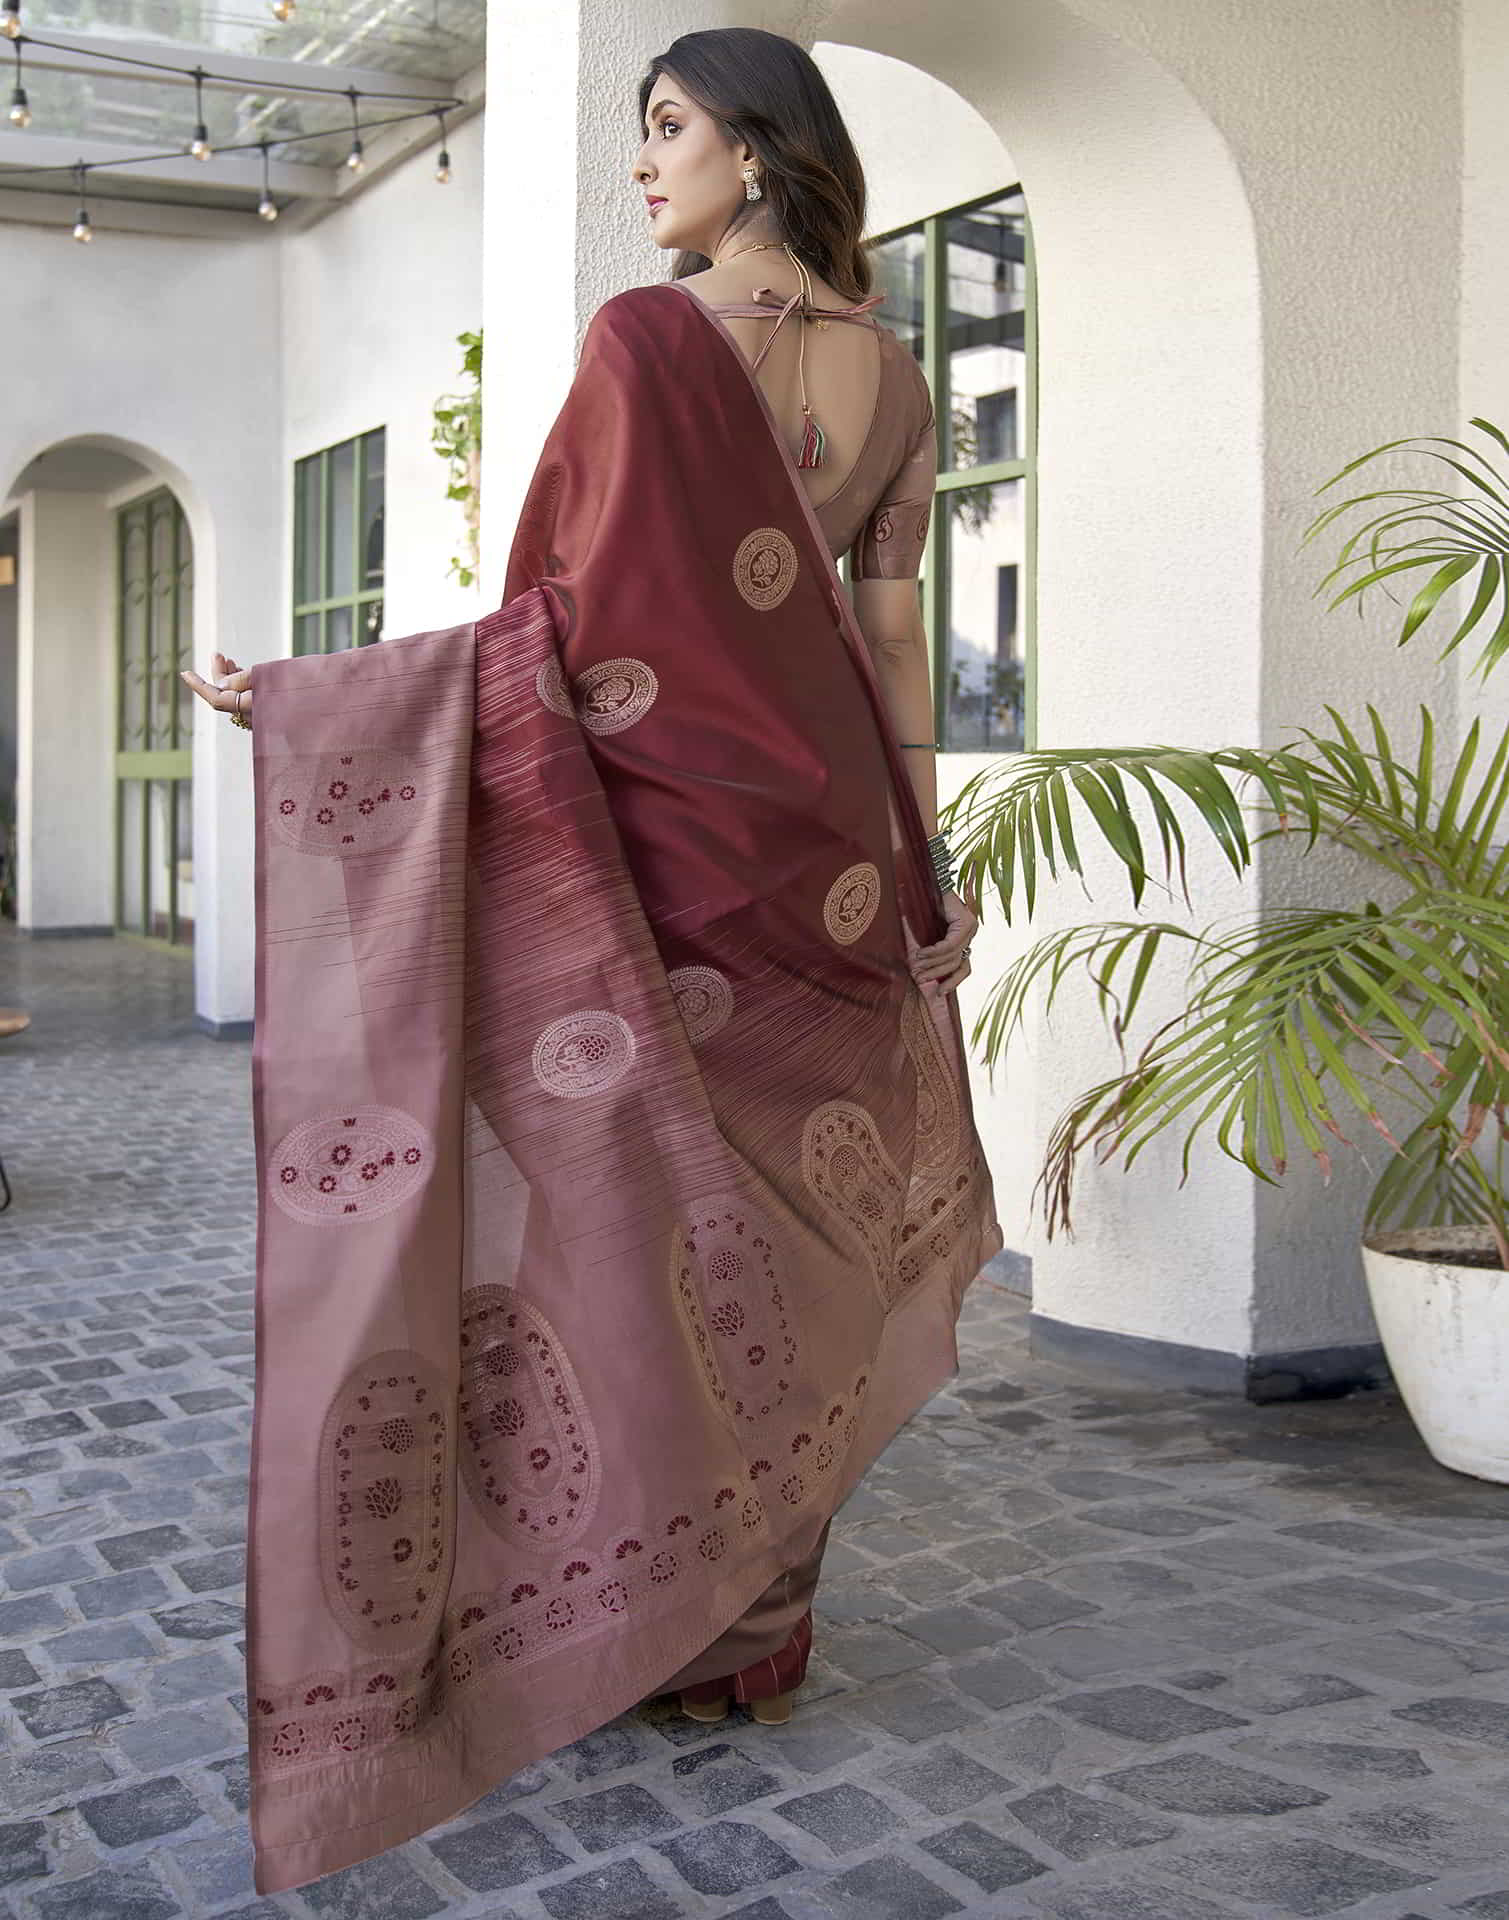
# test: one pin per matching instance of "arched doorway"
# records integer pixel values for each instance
(104, 613)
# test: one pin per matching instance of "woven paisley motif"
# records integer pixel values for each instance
(345, 1167)
(852, 901)
(845, 1163)
(726, 1273)
(530, 1457)
(704, 999)
(387, 1469)
(948, 1166)
(613, 694)
(583, 1052)
(553, 688)
(765, 567)
(346, 804)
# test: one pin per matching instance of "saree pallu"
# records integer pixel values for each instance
(618, 1186)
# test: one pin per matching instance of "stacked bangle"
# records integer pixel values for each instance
(937, 846)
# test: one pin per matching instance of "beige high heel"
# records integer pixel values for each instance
(773, 1711)
(707, 1711)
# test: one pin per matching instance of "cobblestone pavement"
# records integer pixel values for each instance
(1084, 1651)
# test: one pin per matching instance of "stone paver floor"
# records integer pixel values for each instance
(1084, 1651)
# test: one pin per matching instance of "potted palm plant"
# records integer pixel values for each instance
(1386, 1011)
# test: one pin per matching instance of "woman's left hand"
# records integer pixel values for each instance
(942, 966)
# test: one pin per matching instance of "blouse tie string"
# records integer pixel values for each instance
(814, 440)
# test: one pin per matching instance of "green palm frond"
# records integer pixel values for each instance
(1301, 1014)
(1475, 534)
(1296, 1015)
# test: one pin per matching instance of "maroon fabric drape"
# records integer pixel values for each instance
(618, 1188)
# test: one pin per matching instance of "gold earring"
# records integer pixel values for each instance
(751, 184)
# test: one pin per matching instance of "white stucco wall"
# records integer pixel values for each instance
(167, 349)
(216, 363)
(372, 301)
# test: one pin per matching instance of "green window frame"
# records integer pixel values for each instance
(154, 721)
(947, 313)
(339, 497)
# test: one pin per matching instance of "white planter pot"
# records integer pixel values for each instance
(1445, 1329)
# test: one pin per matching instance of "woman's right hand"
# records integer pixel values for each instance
(222, 689)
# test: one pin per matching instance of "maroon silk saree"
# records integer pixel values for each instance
(618, 1187)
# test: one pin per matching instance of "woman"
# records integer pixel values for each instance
(619, 1179)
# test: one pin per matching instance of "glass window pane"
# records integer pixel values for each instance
(373, 491)
(306, 509)
(306, 632)
(159, 856)
(337, 629)
(183, 640)
(161, 621)
(133, 616)
(185, 791)
(128, 841)
(369, 623)
(983, 664)
(341, 533)
(987, 305)
(898, 262)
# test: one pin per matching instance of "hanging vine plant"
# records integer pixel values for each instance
(457, 438)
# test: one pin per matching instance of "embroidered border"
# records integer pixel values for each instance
(320, 1718)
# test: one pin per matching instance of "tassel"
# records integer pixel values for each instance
(813, 442)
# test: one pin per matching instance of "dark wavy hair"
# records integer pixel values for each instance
(768, 90)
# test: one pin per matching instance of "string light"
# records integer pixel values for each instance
(81, 227)
(201, 149)
(266, 206)
(200, 146)
(20, 112)
(354, 158)
(283, 9)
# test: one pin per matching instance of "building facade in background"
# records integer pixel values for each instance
(1144, 286)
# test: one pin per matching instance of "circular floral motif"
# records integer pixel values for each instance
(350, 1166)
(583, 1053)
(765, 567)
(553, 688)
(852, 901)
(704, 999)
(613, 694)
(345, 804)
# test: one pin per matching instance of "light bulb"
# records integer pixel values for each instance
(20, 113)
(81, 227)
(443, 167)
(283, 9)
(267, 208)
(354, 158)
(200, 147)
(13, 19)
